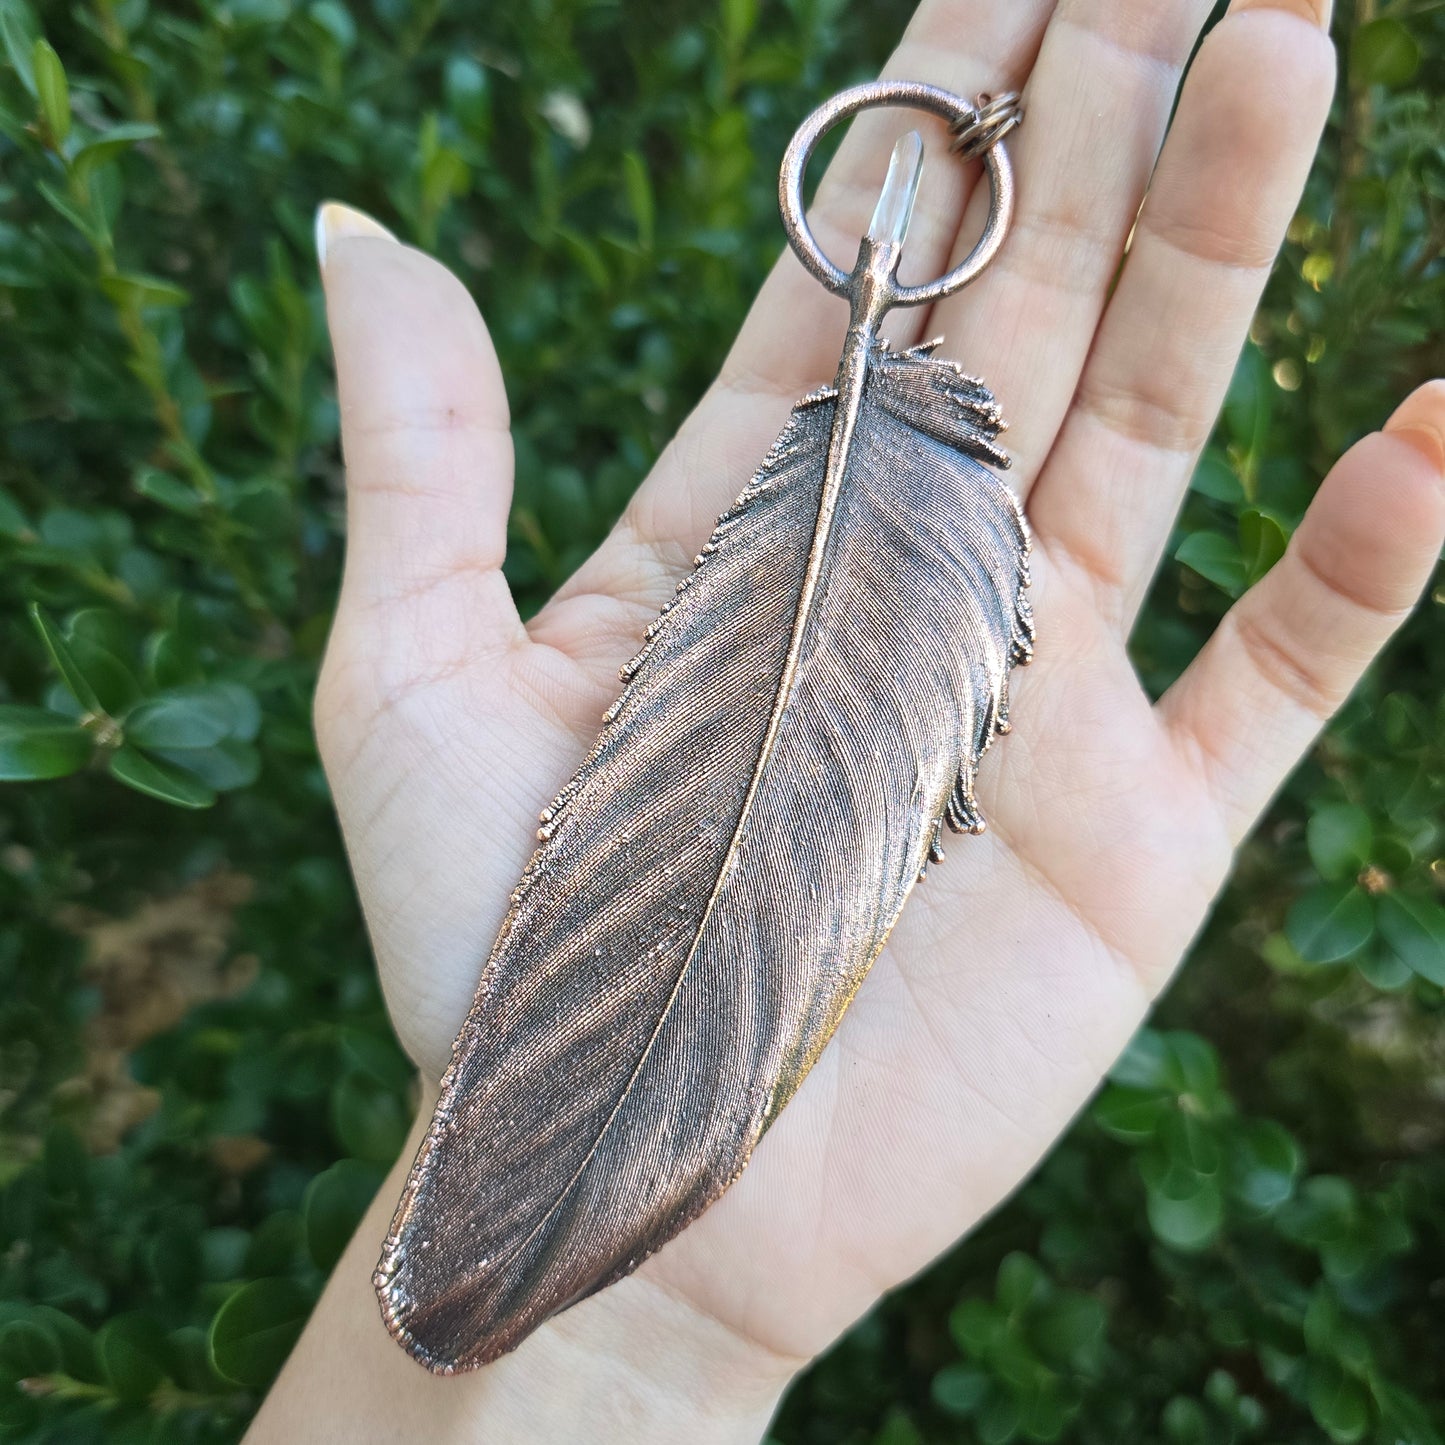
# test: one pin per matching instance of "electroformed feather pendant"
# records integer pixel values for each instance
(712, 886)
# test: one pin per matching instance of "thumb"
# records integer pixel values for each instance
(413, 713)
(424, 431)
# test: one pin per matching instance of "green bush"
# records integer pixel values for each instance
(1243, 1239)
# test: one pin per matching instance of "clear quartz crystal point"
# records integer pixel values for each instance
(895, 202)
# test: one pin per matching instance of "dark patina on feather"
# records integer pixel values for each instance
(621, 1060)
(712, 885)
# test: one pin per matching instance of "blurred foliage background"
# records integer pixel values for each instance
(1243, 1239)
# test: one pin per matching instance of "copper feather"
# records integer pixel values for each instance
(713, 884)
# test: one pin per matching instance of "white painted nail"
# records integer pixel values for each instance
(335, 221)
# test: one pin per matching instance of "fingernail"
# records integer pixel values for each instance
(1420, 420)
(1428, 442)
(335, 221)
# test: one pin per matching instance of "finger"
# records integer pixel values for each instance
(793, 334)
(1288, 653)
(1096, 109)
(1228, 182)
(424, 426)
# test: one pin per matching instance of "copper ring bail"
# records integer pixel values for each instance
(995, 117)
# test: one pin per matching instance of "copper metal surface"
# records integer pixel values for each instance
(960, 116)
(996, 117)
(712, 885)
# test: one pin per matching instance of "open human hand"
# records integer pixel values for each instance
(1020, 969)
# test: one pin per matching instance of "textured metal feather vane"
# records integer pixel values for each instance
(711, 887)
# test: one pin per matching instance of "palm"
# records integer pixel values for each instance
(1026, 960)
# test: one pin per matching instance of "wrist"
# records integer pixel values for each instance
(643, 1365)
(636, 1363)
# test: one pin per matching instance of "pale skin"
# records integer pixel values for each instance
(1023, 965)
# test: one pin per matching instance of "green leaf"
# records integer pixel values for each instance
(959, 1389)
(245, 710)
(444, 176)
(51, 89)
(998, 1422)
(1262, 540)
(1217, 559)
(129, 1348)
(1185, 1215)
(27, 1349)
(1195, 1066)
(370, 1120)
(65, 662)
(184, 717)
(160, 779)
(1221, 1390)
(67, 206)
(13, 522)
(275, 1244)
(1279, 953)
(98, 680)
(1176, 1062)
(1383, 968)
(897, 1429)
(334, 1204)
(17, 32)
(254, 1330)
(105, 628)
(1393, 853)
(112, 680)
(37, 743)
(334, 18)
(1215, 478)
(976, 1326)
(1186, 1422)
(1020, 1282)
(173, 1258)
(1248, 406)
(1042, 1416)
(1403, 1417)
(143, 291)
(1190, 1143)
(1130, 1115)
(1330, 1334)
(1414, 929)
(1384, 52)
(1338, 1403)
(170, 492)
(226, 767)
(378, 1058)
(1069, 1331)
(1330, 922)
(1148, 1063)
(172, 659)
(68, 529)
(109, 145)
(260, 12)
(639, 197)
(1013, 1362)
(76, 1344)
(738, 19)
(1339, 837)
(467, 93)
(1267, 1163)
(586, 256)
(1323, 1212)
(223, 1252)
